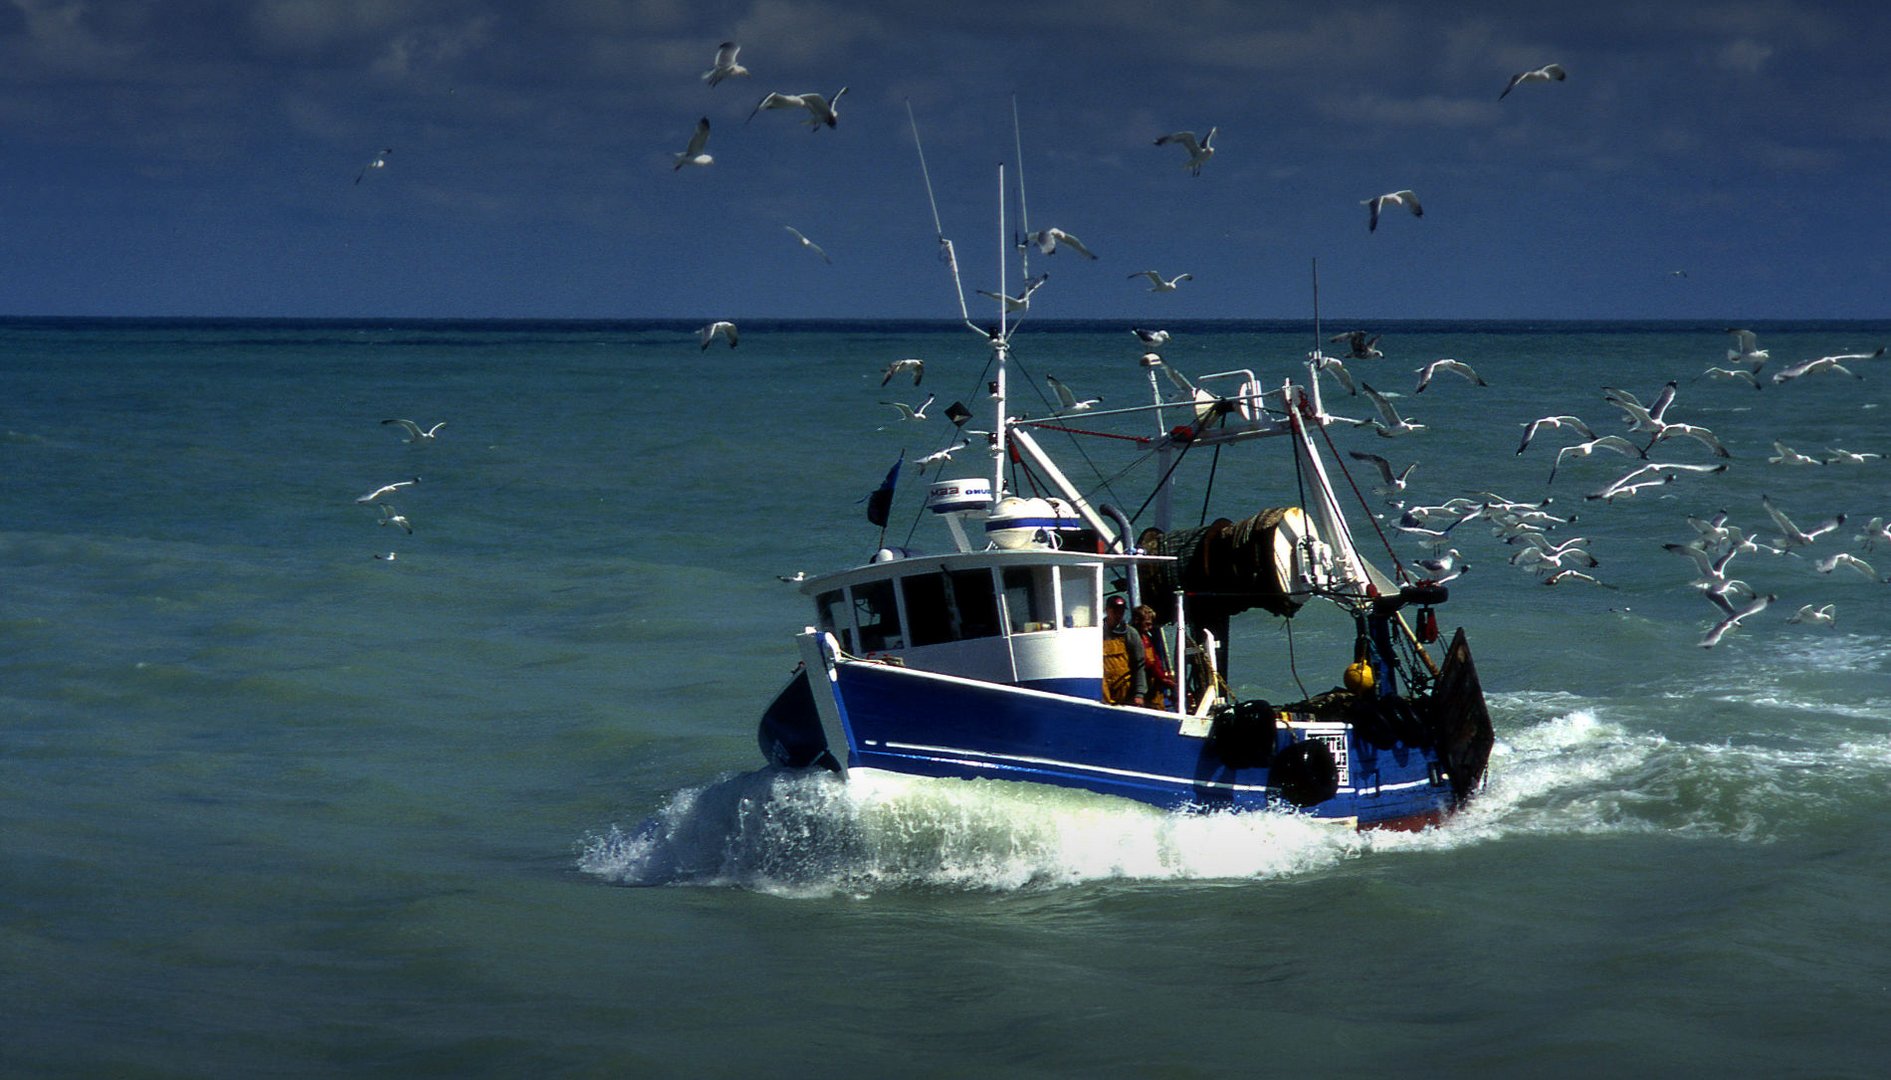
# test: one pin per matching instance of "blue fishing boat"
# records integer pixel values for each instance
(989, 656)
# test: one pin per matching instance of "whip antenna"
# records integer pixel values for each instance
(1024, 211)
(946, 253)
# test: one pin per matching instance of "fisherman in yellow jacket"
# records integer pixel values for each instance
(1125, 675)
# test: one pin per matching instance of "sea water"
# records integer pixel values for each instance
(291, 792)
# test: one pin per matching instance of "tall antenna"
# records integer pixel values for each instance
(946, 253)
(1024, 211)
(1316, 305)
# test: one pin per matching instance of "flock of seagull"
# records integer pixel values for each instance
(1532, 528)
(379, 499)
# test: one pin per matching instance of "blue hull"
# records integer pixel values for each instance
(919, 723)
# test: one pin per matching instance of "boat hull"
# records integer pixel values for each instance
(922, 723)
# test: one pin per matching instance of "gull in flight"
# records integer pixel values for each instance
(807, 243)
(1847, 457)
(1734, 616)
(1746, 350)
(1332, 366)
(1877, 531)
(1826, 363)
(1793, 536)
(1049, 240)
(693, 153)
(1641, 417)
(389, 516)
(386, 489)
(1157, 284)
(1067, 400)
(940, 457)
(1824, 615)
(1395, 198)
(1023, 299)
(1845, 558)
(1602, 442)
(1786, 455)
(719, 328)
(1574, 575)
(1713, 576)
(414, 433)
(1150, 337)
(911, 364)
(1390, 423)
(1358, 345)
(1393, 483)
(379, 162)
(1198, 152)
(1690, 431)
(907, 412)
(1455, 367)
(1732, 375)
(820, 110)
(1552, 422)
(1546, 73)
(725, 66)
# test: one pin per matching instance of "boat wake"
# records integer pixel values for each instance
(797, 833)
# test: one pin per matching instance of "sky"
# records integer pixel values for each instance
(1713, 161)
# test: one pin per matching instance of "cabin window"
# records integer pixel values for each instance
(928, 619)
(877, 615)
(832, 609)
(1077, 586)
(950, 606)
(974, 603)
(1028, 600)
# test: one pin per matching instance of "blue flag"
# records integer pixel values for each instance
(880, 503)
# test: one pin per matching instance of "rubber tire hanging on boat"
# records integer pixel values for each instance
(1243, 737)
(1305, 774)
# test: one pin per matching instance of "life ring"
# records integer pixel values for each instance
(1305, 773)
(1243, 737)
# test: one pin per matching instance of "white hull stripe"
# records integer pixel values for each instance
(961, 756)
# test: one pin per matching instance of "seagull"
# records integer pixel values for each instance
(820, 110)
(1393, 482)
(725, 66)
(1622, 489)
(1574, 575)
(379, 162)
(1747, 350)
(414, 434)
(1198, 152)
(1540, 560)
(807, 243)
(1552, 422)
(1877, 531)
(1732, 375)
(389, 557)
(1023, 299)
(940, 457)
(389, 516)
(1824, 615)
(912, 363)
(1639, 417)
(387, 489)
(1159, 285)
(1049, 240)
(1332, 366)
(1442, 564)
(1734, 617)
(1791, 535)
(1391, 423)
(1395, 198)
(708, 333)
(1455, 367)
(1690, 431)
(1150, 337)
(1067, 400)
(1845, 558)
(1358, 345)
(908, 412)
(1602, 442)
(1546, 73)
(1713, 569)
(693, 153)
(1826, 363)
(1786, 455)
(1847, 457)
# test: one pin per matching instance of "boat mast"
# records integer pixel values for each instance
(1001, 352)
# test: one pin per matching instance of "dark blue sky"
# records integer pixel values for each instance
(198, 157)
